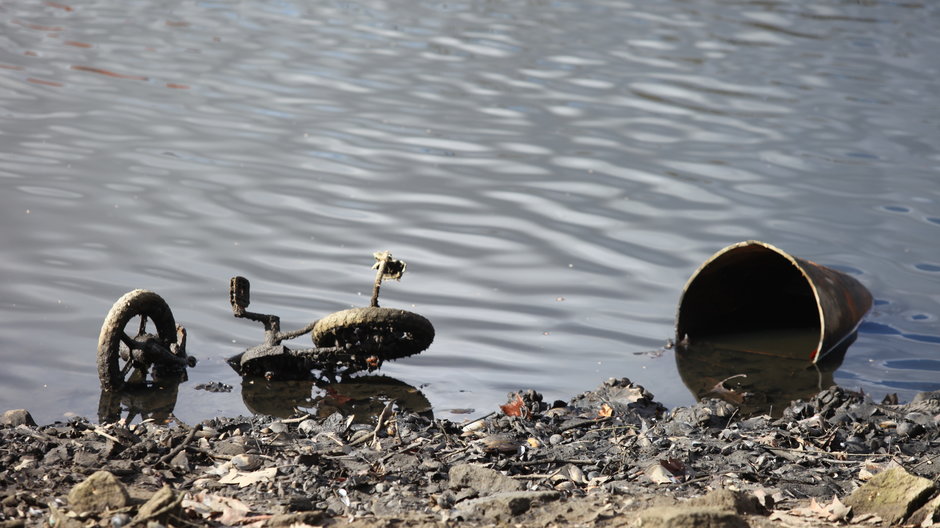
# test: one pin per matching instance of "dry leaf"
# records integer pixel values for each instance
(248, 478)
(516, 407)
(606, 411)
(729, 395)
(835, 511)
(764, 498)
(626, 395)
(817, 509)
(838, 511)
(660, 475)
(226, 510)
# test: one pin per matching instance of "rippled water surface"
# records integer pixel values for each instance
(551, 171)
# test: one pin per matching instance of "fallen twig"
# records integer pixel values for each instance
(208, 453)
(383, 418)
(296, 420)
(103, 433)
(584, 423)
(182, 445)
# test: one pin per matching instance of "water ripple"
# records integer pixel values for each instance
(551, 172)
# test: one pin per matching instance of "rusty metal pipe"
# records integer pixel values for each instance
(753, 286)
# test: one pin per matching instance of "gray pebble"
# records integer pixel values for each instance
(309, 427)
(278, 427)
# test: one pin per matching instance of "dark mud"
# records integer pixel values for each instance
(608, 457)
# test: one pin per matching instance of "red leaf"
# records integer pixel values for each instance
(516, 407)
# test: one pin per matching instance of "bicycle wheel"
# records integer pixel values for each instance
(387, 333)
(116, 366)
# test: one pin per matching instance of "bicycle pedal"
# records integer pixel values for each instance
(239, 294)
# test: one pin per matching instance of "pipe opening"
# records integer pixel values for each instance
(754, 297)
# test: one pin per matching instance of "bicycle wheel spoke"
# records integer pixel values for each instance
(126, 368)
(127, 340)
(143, 325)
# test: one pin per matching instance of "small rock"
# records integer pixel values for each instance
(500, 443)
(735, 501)
(87, 459)
(928, 512)
(892, 495)
(120, 519)
(277, 427)
(483, 480)
(57, 518)
(180, 461)
(162, 506)
(299, 503)
(445, 500)
(910, 429)
(246, 462)
(690, 517)
(304, 518)
(501, 507)
(927, 398)
(122, 467)
(334, 423)
(56, 455)
(230, 447)
(16, 417)
(99, 492)
(309, 427)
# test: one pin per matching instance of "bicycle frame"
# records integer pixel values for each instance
(326, 358)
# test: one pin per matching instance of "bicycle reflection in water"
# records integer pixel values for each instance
(362, 397)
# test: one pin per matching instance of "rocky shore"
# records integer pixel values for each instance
(609, 457)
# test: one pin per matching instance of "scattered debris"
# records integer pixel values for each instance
(611, 456)
(214, 386)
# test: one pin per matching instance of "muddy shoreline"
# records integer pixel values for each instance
(611, 456)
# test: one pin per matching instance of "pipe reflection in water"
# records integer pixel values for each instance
(154, 402)
(362, 397)
(756, 382)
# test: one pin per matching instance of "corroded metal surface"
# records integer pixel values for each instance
(752, 286)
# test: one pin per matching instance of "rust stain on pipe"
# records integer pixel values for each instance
(753, 286)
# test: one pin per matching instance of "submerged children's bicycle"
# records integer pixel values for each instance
(350, 340)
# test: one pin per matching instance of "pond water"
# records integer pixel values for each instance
(551, 171)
